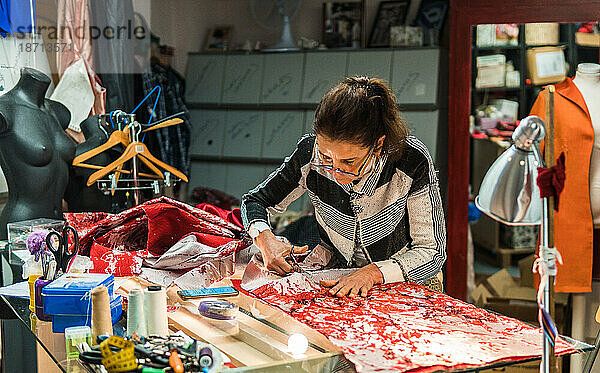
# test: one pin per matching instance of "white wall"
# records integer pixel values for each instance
(184, 24)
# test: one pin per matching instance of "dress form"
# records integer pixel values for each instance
(35, 152)
(79, 197)
(587, 80)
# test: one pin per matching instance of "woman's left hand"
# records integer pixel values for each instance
(356, 283)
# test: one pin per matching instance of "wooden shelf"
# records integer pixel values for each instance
(498, 47)
(497, 89)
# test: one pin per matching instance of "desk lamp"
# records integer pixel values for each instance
(509, 194)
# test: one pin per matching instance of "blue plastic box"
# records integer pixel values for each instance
(61, 322)
(69, 294)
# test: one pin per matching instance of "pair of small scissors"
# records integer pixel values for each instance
(58, 244)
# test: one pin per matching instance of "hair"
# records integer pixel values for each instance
(360, 110)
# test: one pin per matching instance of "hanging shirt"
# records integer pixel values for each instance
(16, 16)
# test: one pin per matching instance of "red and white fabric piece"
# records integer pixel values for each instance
(163, 240)
(406, 327)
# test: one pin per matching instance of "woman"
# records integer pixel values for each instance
(374, 189)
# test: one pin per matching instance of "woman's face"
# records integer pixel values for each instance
(347, 156)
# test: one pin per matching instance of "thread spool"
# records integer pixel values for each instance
(101, 317)
(39, 300)
(31, 282)
(155, 310)
(136, 321)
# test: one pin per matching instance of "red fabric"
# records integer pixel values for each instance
(155, 225)
(406, 327)
(118, 263)
(552, 180)
(83, 222)
(234, 216)
(211, 239)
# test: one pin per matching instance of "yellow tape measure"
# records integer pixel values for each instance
(121, 361)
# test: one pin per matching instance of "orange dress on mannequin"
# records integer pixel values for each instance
(573, 135)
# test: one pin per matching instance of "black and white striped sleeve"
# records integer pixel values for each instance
(281, 187)
(426, 253)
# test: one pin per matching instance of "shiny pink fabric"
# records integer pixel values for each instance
(73, 23)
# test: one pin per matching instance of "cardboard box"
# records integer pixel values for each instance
(587, 39)
(525, 266)
(546, 65)
(541, 33)
(500, 293)
(490, 76)
(490, 60)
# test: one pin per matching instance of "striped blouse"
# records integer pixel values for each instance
(393, 214)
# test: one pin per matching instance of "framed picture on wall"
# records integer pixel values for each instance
(343, 24)
(389, 13)
(219, 38)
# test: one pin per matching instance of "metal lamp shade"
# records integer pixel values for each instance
(509, 192)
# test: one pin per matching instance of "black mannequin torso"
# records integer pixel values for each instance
(80, 197)
(35, 152)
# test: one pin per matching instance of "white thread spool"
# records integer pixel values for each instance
(155, 310)
(136, 322)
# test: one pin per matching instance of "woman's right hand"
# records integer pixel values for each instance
(274, 252)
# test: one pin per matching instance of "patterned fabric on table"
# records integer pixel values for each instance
(406, 327)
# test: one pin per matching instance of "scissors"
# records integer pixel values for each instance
(58, 244)
(297, 268)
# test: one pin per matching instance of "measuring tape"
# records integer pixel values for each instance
(218, 309)
(121, 361)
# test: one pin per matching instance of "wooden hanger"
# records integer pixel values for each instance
(116, 138)
(127, 172)
(166, 123)
(140, 150)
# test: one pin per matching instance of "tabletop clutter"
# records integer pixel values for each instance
(75, 279)
(86, 306)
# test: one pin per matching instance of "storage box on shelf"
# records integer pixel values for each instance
(541, 33)
(546, 65)
(587, 39)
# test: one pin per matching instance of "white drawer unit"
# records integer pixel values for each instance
(243, 77)
(243, 133)
(204, 78)
(415, 76)
(283, 129)
(424, 125)
(208, 132)
(321, 72)
(282, 79)
(208, 174)
(243, 177)
(371, 64)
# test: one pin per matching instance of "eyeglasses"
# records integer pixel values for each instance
(330, 167)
